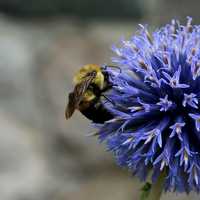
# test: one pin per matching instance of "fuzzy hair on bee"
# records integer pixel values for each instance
(91, 84)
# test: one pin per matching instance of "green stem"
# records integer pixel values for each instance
(156, 188)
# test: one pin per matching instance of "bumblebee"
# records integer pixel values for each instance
(88, 96)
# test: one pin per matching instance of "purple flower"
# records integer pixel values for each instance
(196, 118)
(156, 125)
(174, 80)
(164, 103)
(191, 100)
(177, 128)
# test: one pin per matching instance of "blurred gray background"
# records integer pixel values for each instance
(42, 44)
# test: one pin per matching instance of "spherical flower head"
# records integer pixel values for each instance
(155, 101)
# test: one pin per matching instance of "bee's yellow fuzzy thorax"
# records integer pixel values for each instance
(89, 96)
(99, 80)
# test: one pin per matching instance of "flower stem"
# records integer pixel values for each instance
(157, 188)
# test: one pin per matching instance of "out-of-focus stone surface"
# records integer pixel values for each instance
(43, 156)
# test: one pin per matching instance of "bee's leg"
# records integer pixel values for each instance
(108, 99)
(113, 103)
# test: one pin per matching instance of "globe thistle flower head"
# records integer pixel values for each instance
(155, 104)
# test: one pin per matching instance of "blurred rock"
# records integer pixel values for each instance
(24, 172)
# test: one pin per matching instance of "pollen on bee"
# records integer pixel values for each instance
(89, 95)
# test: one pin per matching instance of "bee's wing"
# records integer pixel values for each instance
(76, 96)
(71, 106)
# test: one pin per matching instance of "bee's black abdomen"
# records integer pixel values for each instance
(97, 114)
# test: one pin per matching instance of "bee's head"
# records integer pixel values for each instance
(98, 80)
